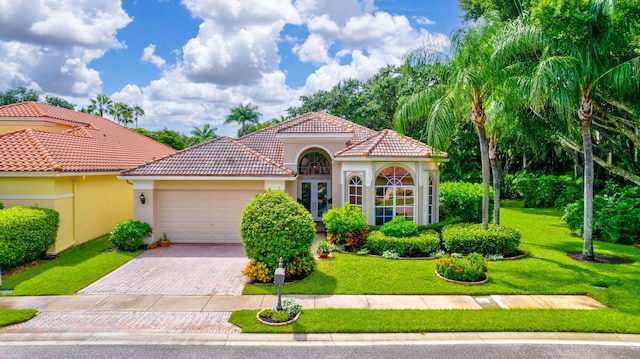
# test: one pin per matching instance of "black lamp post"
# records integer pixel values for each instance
(278, 279)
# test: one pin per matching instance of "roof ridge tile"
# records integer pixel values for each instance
(42, 149)
(257, 154)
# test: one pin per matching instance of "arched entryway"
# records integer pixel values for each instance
(314, 182)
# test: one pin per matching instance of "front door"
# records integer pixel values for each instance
(315, 196)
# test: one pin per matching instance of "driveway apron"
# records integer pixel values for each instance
(180, 269)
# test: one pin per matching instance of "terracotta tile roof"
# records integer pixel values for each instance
(222, 156)
(92, 144)
(388, 143)
(265, 141)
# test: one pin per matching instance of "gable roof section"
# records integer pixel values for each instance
(266, 142)
(222, 156)
(388, 143)
(92, 144)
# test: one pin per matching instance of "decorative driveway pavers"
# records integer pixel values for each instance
(180, 269)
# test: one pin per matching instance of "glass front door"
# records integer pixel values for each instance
(315, 196)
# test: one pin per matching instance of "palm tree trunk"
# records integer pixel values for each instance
(585, 120)
(493, 143)
(478, 117)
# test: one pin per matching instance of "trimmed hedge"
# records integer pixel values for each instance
(467, 238)
(400, 227)
(129, 236)
(463, 200)
(273, 225)
(421, 245)
(26, 233)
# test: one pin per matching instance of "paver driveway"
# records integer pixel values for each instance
(180, 269)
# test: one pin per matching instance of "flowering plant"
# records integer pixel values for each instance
(472, 268)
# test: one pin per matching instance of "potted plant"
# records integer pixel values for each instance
(164, 241)
(324, 248)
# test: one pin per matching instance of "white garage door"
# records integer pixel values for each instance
(207, 216)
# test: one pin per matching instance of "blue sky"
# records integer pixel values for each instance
(190, 62)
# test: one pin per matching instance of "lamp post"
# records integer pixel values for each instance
(278, 279)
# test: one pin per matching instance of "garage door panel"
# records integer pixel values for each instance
(208, 216)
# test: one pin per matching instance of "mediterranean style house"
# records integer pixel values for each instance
(69, 161)
(197, 195)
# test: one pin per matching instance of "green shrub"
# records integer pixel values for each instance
(280, 317)
(463, 200)
(273, 225)
(469, 269)
(26, 234)
(400, 227)
(266, 313)
(468, 238)
(545, 191)
(616, 214)
(390, 255)
(129, 236)
(421, 245)
(1, 205)
(291, 306)
(347, 226)
(437, 227)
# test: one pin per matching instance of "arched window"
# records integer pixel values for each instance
(355, 191)
(395, 191)
(314, 163)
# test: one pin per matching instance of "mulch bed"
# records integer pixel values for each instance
(600, 258)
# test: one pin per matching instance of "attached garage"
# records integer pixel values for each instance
(201, 216)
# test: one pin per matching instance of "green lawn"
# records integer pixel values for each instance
(73, 270)
(547, 270)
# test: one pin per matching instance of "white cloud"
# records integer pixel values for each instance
(314, 50)
(424, 21)
(48, 44)
(148, 55)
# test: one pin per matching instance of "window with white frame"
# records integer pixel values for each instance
(355, 191)
(395, 194)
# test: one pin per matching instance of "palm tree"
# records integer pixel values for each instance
(469, 86)
(121, 112)
(244, 114)
(100, 105)
(203, 134)
(568, 74)
(137, 111)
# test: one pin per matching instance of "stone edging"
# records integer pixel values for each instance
(277, 324)
(485, 280)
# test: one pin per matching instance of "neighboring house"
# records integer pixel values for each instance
(197, 195)
(69, 161)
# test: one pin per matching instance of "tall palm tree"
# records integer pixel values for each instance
(243, 115)
(203, 134)
(121, 112)
(568, 74)
(100, 105)
(469, 87)
(137, 111)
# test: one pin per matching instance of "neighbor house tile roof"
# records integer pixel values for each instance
(388, 143)
(91, 144)
(222, 156)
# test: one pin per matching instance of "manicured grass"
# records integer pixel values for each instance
(458, 320)
(13, 316)
(73, 270)
(547, 270)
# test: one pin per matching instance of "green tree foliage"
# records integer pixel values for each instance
(506, 9)
(244, 115)
(204, 134)
(18, 94)
(274, 226)
(171, 138)
(57, 101)
(100, 105)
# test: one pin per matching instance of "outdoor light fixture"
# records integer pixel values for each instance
(278, 279)
(142, 198)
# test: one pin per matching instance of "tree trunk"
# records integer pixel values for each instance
(495, 171)
(478, 117)
(587, 229)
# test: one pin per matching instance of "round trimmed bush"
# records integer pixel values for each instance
(129, 236)
(400, 227)
(25, 234)
(273, 225)
(467, 238)
(422, 245)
